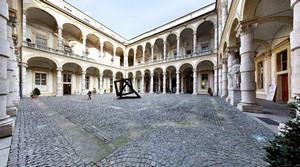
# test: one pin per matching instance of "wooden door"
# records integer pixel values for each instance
(285, 87)
(67, 89)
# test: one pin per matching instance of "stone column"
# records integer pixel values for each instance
(134, 82)
(59, 81)
(115, 55)
(151, 82)
(24, 84)
(59, 38)
(170, 82)
(114, 78)
(164, 82)
(295, 48)
(83, 82)
(142, 83)
(195, 42)
(195, 81)
(6, 123)
(83, 45)
(224, 79)
(152, 53)
(224, 14)
(216, 38)
(178, 47)
(159, 82)
(24, 25)
(165, 50)
(177, 81)
(247, 69)
(100, 83)
(10, 108)
(216, 80)
(134, 57)
(143, 58)
(220, 80)
(182, 86)
(101, 51)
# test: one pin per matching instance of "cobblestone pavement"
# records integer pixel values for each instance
(156, 130)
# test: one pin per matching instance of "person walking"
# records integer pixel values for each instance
(89, 94)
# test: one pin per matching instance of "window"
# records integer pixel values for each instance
(282, 61)
(204, 81)
(188, 52)
(67, 77)
(40, 79)
(41, 42)
(260, 75)
(87, 82)
(67, 49)
(204, 49)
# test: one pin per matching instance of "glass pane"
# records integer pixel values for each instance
(69, 78)
(43, 82)
(284, 65)
(43, 76)
(37, 82)
(37, 76)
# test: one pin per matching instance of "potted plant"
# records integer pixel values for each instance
(35, 93)
(209, 92)
(94, 91)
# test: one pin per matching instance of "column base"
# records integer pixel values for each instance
(6, 127)
(235, 96)
(12, 111)
(246, 107)
(177, 93)
(224, 96)
(163, 92)
(195, 94)
(16, 102)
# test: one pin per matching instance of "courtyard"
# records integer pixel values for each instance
(156, 130)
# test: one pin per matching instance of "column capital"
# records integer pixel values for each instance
(224, 61)
(59, 69)
(216, 67)
(177, 72)
(83, 72)
(178, 38)
(165, 42)
(194, 69)
(24, 65)
(60, 27)
(164, 73)
(247, 27)
(101, 44)
(194, 32)
(232, 49)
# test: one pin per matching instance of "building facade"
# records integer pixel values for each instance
(238, 48)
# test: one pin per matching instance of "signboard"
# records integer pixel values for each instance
(271, 93)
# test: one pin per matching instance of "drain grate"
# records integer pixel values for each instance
(268, 121)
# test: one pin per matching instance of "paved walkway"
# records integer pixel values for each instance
(156, 130)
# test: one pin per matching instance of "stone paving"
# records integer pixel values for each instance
(156, 130)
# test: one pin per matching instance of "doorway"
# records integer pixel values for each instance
(285, 87)
(67, 89)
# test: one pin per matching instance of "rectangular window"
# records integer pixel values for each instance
(204, 81)
(260, 75)
(67, 49)
(40, 79)
(204, 49)
(41, 42)
(87, 82)
(282, 62)
(188, 52)
(67, 77)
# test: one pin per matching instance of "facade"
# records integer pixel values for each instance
(238, 48)
(259, 47)
(67, 52)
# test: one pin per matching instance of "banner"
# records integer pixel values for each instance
(272, 91)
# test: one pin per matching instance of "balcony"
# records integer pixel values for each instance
(187, 56)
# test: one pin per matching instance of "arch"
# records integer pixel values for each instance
(41, 62)
(185, 29)
(40, 17)
(232, 34)
(75, 67)
(186, 70)
(26, 58)
(185, 63)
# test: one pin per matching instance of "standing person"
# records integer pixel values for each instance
(89, 94)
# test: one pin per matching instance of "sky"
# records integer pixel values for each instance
(130, 18)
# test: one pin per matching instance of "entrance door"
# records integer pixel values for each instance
(285, 87)
(67, 89)
(111, 88)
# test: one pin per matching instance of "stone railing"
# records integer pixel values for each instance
(68, 54)
(187, 56)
